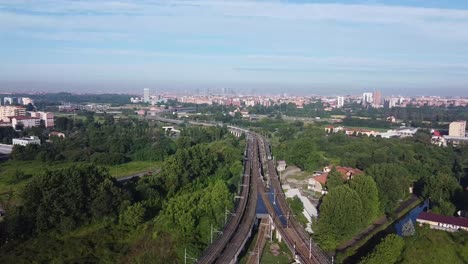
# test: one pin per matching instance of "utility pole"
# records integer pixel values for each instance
(287, 218)
(211, 233)
(310, 247)
(274, 196)
(186, 256)
(226, 212)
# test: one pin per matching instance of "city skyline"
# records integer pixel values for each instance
(298, 47)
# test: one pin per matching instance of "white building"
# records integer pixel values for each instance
(26, 141)
(393, 102)
(281, 165)
(340, 101)
(146, 95)
(26, 121)
(26, 101)
(457, 129)
(367, 98)
(8, 100)
(400, 132)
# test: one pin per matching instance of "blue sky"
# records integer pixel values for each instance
(316, 47)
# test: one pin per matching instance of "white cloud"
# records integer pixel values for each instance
(200, 37)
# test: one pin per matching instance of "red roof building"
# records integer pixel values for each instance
(346, 172)
(442, 222)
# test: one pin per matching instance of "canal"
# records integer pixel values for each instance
(395, 228)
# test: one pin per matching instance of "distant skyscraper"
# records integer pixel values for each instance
(146, 95)
(8, 101)
(457, 129)
(377, 98)
(340, 101)
(393, 102)
(367, 98)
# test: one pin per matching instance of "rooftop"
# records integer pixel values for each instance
(322, 178)
(459, 221)
(23, 117)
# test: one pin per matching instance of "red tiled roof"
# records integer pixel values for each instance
(23, 117)
(322, 178)
(459, 221)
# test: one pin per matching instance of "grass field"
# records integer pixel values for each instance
(283, 256)
(14, 174)
(133, 167)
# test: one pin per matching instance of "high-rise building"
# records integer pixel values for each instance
(340, 101)
(26, 101)
(457, 129)
(6, 111)
(146, 95)
(8, 100)
(367, 98)
(46, 117)
(377, 98)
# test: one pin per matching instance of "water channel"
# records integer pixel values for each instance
(395, 228)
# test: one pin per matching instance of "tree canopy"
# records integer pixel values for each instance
(367, 190)
(341, 215)
(387, 251)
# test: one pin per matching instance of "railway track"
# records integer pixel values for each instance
(306, 251)
(247, 222)
(213, 252)
(296, 237)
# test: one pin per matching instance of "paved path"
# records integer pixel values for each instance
(138, 175)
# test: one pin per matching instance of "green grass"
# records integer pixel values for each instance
(284, 256)
(133, 167)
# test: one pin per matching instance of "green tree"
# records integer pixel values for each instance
(334, 179)
(340, 216)
(388, 251)
(392, 182)
(367, 190)
(67, 198)
(133, 215)
(441, 190)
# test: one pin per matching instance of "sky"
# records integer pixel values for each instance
(306, 47)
